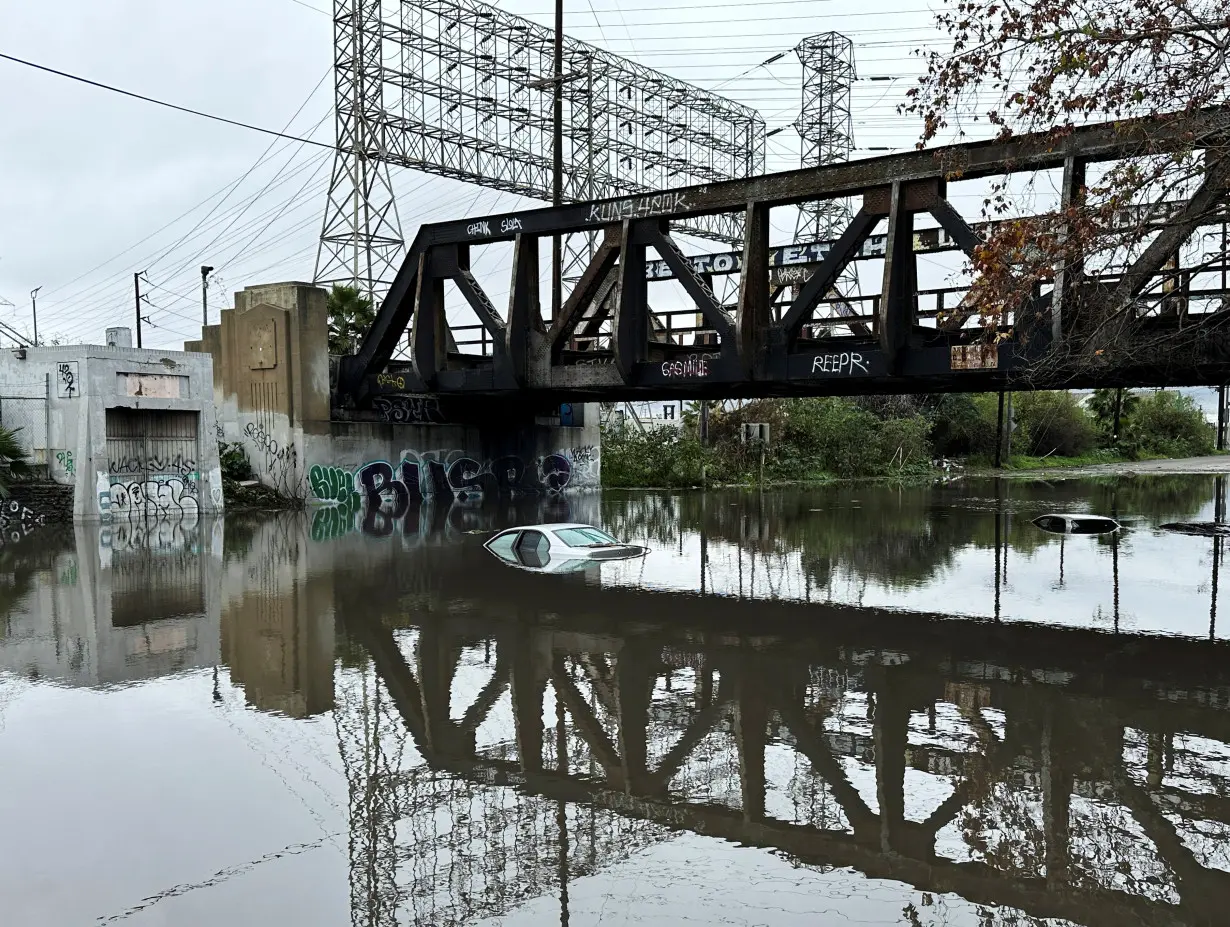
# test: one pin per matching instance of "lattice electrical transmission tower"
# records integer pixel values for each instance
(825, 126)
(361, 241)
(461, 89)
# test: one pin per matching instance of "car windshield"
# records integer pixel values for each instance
(584, 537)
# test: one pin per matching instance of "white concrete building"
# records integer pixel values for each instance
(132, 431)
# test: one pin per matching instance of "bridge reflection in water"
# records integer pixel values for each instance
(513, 743)
(1059, 773)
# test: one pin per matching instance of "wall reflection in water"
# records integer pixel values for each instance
(507, 739)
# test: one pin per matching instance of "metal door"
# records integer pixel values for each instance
(152, 464)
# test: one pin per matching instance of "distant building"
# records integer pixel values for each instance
(651, 414)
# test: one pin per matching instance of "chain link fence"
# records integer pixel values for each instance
(27, 416)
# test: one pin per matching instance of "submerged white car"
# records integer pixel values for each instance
(559, 548)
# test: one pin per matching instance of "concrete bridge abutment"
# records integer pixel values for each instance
(409, 460)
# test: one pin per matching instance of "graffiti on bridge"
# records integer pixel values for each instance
(408, 410)
(17, 520)
(384, 494)
(436, 520)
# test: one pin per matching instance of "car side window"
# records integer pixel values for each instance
(533, 549)
(502, 546)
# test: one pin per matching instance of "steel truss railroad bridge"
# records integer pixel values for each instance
(608, 344)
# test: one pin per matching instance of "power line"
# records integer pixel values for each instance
(93, 288)
(157, 102)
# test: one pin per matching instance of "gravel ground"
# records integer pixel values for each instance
(1217, 464)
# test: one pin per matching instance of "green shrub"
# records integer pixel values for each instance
(1168, 424)
(963, 424)
(1052, 422)
(234, 462)
(666, 457)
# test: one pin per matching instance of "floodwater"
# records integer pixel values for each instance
(855, 705)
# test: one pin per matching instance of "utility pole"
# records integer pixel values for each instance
(34, 311)
(136, 286)
(557, 167)
(1221, 417)
(205, 272)
(999, 435)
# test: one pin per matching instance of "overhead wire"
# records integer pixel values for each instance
(175, 106)
(152, 259)
(69, 303)
(278, 213)
(261, 158)
(111, 286)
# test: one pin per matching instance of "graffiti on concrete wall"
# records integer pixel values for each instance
(68, 385)
(381, 494)
(278, 463)
(180, 464)
(67, 462)
(17, 520)
(166, 498)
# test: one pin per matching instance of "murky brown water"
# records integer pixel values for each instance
(856, 705)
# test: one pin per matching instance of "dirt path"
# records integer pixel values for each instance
(1218, 464)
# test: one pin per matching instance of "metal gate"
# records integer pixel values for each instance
(152, 464)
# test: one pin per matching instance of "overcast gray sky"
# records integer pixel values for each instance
(93, 185)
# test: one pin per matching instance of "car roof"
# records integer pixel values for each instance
(553, 526)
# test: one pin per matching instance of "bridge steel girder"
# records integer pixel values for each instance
(756, 356)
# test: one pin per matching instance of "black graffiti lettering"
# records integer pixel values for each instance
(509, 474)
(409, 410)
(437, 476)
(465, 476)
(556, 471)
(410, 479)
(423, 494)
(381, 492)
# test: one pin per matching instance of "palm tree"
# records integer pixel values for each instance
(1103, 404)
(13, 459)
(350, 316)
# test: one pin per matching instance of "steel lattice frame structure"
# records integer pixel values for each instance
(825, 126)
(456, 88)
(361, 242)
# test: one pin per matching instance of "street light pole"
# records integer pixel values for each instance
(136, 286)
(205, 272)
(34, 311)
(557, 169)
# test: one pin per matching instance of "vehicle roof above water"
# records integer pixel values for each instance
(553, 526)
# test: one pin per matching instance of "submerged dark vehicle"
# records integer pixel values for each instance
(1077, 524)
(1200, 529)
